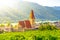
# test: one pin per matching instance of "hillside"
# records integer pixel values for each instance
(22, 9)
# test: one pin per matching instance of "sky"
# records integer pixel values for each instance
(13, 3)
(46, 2)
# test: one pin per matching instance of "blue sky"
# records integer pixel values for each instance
(46, 2)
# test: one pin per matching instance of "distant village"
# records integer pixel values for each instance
(22, 25)
(25, 25)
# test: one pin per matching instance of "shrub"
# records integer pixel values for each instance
(52, 38)
(47, 26)
(17, 37)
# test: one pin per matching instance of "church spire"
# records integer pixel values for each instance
(32, 15)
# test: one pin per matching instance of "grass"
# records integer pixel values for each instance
(32, 35)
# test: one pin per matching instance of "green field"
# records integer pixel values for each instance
(32, 35)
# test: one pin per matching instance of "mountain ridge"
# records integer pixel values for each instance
(22, 11)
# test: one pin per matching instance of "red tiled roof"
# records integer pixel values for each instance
(27, 24)
(22, 23)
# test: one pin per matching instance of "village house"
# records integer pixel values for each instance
(1, 29)
(8, 28)
(57, 24)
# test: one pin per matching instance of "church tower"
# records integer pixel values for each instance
(32, 17)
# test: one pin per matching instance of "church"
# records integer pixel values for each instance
(28, 23)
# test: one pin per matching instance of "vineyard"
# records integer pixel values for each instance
(32, 35)
(44, 32)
